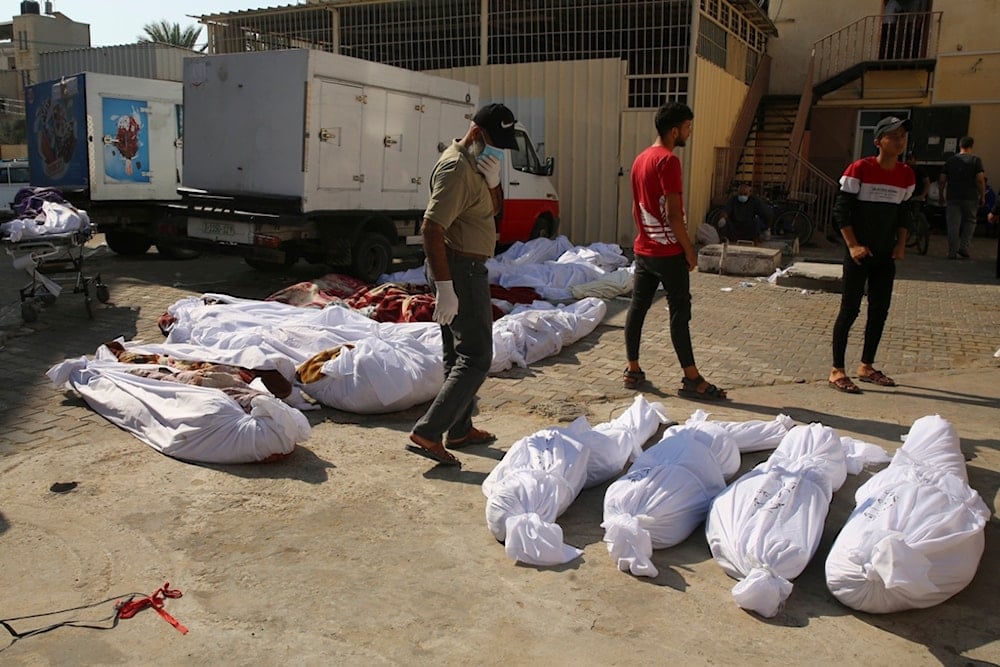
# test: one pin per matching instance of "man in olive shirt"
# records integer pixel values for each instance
(459, 235)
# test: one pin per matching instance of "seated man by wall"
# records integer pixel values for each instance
(746, 216)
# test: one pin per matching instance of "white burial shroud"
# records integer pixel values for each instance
(187, 422)
(916, 535)
(670, 487)
(766, 526)
(391, 366)
(541, 475)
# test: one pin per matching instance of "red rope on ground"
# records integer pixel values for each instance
(133, 607)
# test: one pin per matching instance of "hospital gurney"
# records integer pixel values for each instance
(54, 261)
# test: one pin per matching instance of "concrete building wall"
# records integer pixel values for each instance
(800, 24)
(38, 33)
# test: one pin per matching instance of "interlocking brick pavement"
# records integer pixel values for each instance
(945, 315)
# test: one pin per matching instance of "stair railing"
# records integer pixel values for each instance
(894, 37)
(805, 104)
(748, 112)
(777, 169)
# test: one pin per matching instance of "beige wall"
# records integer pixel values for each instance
(582, 103)
(718, 99)
(904, 87)
(638, 133)
(46, 33)
(802, 23)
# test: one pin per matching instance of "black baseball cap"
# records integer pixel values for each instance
(890, 123)
(498, 121)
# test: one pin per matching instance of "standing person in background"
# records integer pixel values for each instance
(459, 235)
(966, 180)
(663, 251)
(873, 219)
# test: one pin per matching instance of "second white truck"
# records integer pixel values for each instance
(305, 154)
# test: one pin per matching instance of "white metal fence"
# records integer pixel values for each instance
(652, 36)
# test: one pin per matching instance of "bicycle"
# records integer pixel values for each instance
(790, 220)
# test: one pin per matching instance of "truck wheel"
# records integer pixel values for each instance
(126, 243)
(371, 257)
(543, 227)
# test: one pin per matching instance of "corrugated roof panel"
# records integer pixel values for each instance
(145, 60)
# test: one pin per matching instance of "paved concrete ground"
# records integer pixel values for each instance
(352, 551)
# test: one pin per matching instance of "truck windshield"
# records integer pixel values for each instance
(524, 158)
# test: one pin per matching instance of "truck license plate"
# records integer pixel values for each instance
(221, 230)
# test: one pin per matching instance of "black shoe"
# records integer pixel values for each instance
(964, 254)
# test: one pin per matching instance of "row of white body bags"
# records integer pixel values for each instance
(668, 490)
(542, 474)
(915, 537)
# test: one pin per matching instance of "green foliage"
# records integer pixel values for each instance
(165, 32)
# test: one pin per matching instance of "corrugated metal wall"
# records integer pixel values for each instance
(638, 134)
(718, 98)
(575, 109)
(145, 60)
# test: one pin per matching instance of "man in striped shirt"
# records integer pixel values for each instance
(663, 251)
(870, 214)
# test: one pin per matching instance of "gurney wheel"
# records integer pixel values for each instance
(103, 295)
(28, 312)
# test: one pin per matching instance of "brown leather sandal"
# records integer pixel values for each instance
(632, 379)
(689, 389)
(845, 385)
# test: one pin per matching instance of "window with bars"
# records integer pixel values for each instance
(414, 34)
(652, 36)
(728, 39)
(712, 39)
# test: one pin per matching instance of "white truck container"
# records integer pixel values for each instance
(112, 145)
(301, 153)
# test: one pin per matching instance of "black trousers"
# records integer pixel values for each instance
(878, 273)
(650, 273)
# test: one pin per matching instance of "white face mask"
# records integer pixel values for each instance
(743, 198)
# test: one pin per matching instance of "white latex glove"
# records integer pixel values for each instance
(446, 306)
(489, 167)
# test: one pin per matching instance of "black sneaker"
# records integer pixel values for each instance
(964, 254)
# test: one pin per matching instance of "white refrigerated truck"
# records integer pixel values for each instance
(305, 154)
(112, 145)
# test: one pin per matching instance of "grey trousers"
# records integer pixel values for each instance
(961, 217)
(468, 353)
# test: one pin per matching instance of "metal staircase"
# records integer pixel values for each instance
(763, 161)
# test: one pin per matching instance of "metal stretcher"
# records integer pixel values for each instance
(54, 261)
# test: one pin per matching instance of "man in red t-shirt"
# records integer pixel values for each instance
(663, 251)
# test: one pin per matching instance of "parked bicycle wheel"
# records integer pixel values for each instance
(715, 215)
(794, 223)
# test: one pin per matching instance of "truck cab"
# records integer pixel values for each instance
(531, 205)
